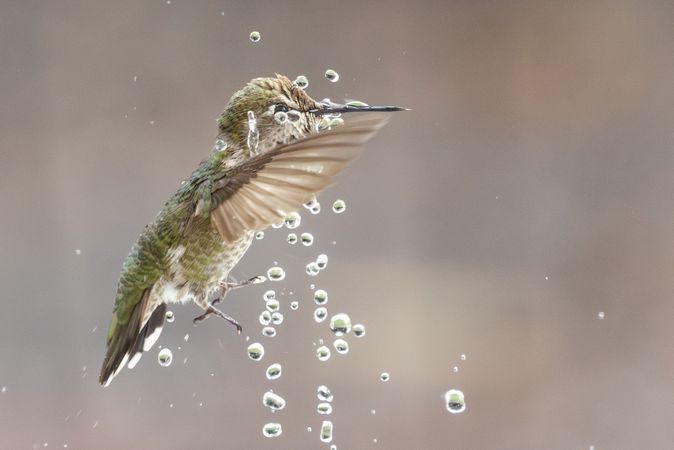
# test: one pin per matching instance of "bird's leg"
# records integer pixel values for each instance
(226, 286)
(213, 310)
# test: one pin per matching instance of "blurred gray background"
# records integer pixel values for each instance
(529, 190)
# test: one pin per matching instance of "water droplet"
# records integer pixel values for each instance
(320, 314)
(255, 351)
(455, 369)
(373, 412)
(324, 393)
(265, 317)
(309, 429)
(273, 401)
(292, 238)
(339, 206)
(323, 124)
(276, 273)
(332, 75)
(312, 268)
(384, 377)
(463, 356)
(276, 318)
(293, 220)
(601, 315)
(307, 239)
(253, 133)
(323, 353)
(170, 317)
(255, 36)
(165, 357)
(294, 305)
(281, 117)
(311, 203)
(269, 295)
(271, 430)
(333, 447)
(356, 103)
(272, 305)
(320, 297)
(359, 330)
(269, 332)
(336, 122)
(322, 261)
(220, 145)
(277, 225)
(340, 324)
(3, 390)
(326, 431)
(301, 82)
(316, 209)
(455, 401)
(324, 408)
(274, 371)
(259, 235)
(78, 251)
(341, 346)
(187, 337)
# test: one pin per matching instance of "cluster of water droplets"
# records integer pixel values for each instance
(270, 318)
(313, 268)
(313, 206)
(325, 408)
(455, 402)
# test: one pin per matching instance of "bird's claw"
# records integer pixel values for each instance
(213, 310)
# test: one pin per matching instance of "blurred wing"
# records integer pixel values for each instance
(267, 187)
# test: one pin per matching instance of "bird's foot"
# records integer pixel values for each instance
(213, 310)
(228, 286)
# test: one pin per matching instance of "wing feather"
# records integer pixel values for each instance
(264, 188)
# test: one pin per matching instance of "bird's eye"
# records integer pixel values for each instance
(281, 107)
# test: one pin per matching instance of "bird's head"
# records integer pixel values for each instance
(269, 112)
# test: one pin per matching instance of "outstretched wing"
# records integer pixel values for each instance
(267, 187)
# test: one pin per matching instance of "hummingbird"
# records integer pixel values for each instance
(272, 154)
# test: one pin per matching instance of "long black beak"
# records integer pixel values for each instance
(336, 108)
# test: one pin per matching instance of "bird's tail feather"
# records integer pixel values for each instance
(128, 341)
